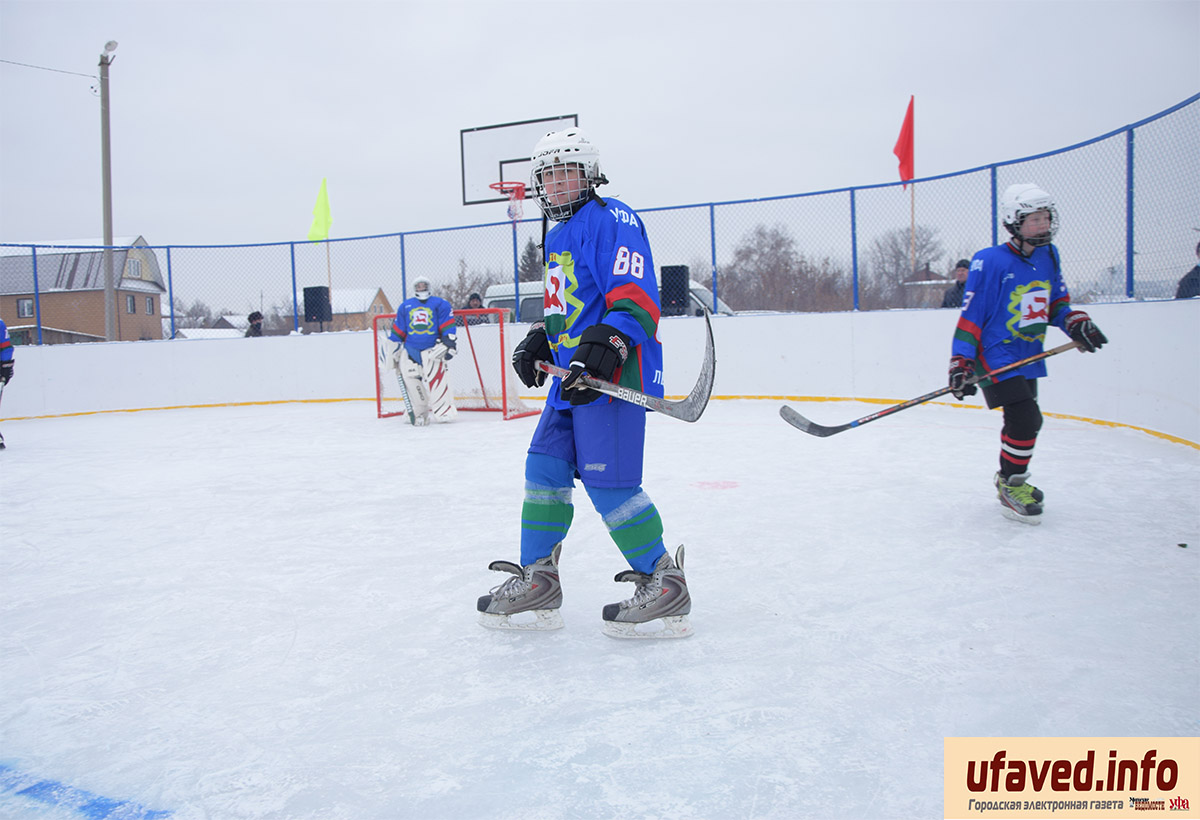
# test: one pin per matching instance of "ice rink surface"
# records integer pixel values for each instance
(269, 612)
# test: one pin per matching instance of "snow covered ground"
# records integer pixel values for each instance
(268, 612)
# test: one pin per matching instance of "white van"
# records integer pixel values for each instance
(501, 296)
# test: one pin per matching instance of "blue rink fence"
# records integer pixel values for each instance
(1129, 203)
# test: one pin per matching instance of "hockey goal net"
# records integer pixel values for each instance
(480, 372)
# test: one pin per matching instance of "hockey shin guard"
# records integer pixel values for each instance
(547, 511)
(1022, 421)
(633, 523)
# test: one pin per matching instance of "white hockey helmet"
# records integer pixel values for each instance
(567, 147)
(421, 288)
(1021, 200)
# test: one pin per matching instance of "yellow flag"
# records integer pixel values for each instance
(321, 218)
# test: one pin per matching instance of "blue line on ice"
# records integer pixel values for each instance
(92, 806)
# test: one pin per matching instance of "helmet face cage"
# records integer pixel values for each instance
(560, 152)
(1019, 202)
(420, 293)
(573, 192)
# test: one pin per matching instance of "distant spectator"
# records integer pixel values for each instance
(1189, 285)
(954, 293)
(255, 328)
(475, 302)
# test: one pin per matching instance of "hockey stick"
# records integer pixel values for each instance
(689, 408)
(801, 423)
(394, 365)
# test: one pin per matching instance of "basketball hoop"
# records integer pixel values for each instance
(515, 191)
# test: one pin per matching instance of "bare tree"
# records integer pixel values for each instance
(277, 320)
(197, 314)
(467, 282)
(768, 272)
(890, 265)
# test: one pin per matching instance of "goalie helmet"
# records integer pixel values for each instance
(421, 288)
(568, 150)
(1018, 202)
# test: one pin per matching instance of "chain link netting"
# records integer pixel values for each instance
(1129, 205)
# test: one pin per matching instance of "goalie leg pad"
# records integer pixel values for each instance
(436, 377)
(418, 396)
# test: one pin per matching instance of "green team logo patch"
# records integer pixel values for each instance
(560, 303)
(1029, 311)
(420, 321)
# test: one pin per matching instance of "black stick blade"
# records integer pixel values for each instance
(812, 428)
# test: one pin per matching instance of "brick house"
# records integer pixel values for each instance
(64, 293)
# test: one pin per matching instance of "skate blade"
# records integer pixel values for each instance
(1008, 512)
(533, 620)
(674, 626)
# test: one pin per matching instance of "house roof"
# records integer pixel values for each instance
(239, 321)
(353, 300)
(71, 265)
(207, 333)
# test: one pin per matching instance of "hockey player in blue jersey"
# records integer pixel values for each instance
(1014, 292)
(422, 320)
(601, 311)
(425, 340)
(6, 363)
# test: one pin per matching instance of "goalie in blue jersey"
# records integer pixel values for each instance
(425, 340)
(601, 311)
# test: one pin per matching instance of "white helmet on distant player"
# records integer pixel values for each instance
(569, 149)
(422, 288)
(1021, 200)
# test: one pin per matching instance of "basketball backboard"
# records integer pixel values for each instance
(500, 153)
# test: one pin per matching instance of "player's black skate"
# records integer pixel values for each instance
(1019, 500)
(659, 606)
(533, 595)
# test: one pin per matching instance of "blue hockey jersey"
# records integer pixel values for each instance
(419, 324)
(1008, 303)
(6, 346)
(599, 270)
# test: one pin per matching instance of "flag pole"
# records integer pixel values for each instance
(912, 228)
(319, 232)
(904, 153)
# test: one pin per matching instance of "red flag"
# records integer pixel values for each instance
(904, 145)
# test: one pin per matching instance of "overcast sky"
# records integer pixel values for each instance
(227, 115)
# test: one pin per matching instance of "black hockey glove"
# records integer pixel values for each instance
(962, 369)
(6, 371)
(1082, 329)
(451, 344)
(534, 347)
(602, 349)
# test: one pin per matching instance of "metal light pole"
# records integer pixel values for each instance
(110, 290)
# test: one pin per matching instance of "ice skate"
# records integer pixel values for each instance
(659, 606)
(1019, 500)
(530, 600)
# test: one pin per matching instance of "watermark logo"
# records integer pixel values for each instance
(1070, 777)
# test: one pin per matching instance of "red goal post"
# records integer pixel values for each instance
(481, 372)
